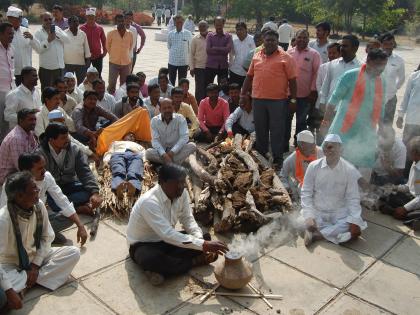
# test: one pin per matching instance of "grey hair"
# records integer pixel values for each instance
(17, 183)
(203, 22)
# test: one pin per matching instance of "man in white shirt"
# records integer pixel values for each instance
(122, 90)
(155, 245)
(242, 119)
(67, 103)
(63, 214)
(271, 24)
(405, 203)
(51, 54)
(294, 167)
(391, 158)
(27, 257)
(23, 43)
(336, 68)
(170, 137)
(285, 34)
(179, 41)
(105, 100)
(92, 74)
(330, 197)
(168, 15)
(241, 47)
(76, 50)
(395, 76)
(323, 30)
(25, 95)
(72, 89)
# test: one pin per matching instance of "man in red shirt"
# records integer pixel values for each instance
(96, 39)
(212, 115)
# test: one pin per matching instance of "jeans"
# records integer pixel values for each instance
(182, 73)
(270, 118)
(200, 84)
(47, 77)
(114, 71)
(127, 166)
(76, 194)
(163, 258)
(302, 111)
(98, 64)
(212, 73)
(79, 70)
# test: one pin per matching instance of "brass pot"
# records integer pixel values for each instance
(233, 272)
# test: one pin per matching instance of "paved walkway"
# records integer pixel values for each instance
(378, 274)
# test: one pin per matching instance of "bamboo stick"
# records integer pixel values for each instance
(262, 295)
(208, 293)
(250, 295)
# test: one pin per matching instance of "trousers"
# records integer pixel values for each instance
(54, 272)
(4, 125)
(163, 258)
(173, 70)
(200, 84)
(76, 194)
(237, 128)
(390, 107)
(79, 70)
(236, 78)
(114, 72)
(153, 155)
(98, 64)
(212, 73)
(270, 118)
(302, 111)
(47, 77)
(127, 166)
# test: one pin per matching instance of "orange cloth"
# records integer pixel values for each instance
(299, 170)
(357, 100)
(271, 74)
(119, 48)
(137, 122)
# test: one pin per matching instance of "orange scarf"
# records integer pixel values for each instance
(299, 170)
(357, 99)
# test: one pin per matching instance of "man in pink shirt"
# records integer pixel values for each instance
(7, 71)
(212, 115)
(96, 38)
(21, 139)
(307, 62)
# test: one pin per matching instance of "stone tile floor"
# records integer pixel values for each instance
(378, 274)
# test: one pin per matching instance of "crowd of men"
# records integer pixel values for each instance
(344, 138)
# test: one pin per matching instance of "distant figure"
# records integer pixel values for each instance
(271, 24)
(323, 30)
(168, 15)
(285, 34)
(59, 19)
(189, 24)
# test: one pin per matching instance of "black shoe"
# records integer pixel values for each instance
(59, 239)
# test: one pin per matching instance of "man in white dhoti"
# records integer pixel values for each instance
(330, 197)
(26, 256)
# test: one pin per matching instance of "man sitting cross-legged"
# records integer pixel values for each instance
(69, 166)
(26, 256)
(242, 119)
(125, 158)
(169, 136)
(330, 197)
(61, 217)
(155, 245)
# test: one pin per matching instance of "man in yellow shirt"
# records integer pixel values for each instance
(119, 44)
(185, 110)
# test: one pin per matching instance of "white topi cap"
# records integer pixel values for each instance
(92, 69)
(305, 136)
(14, 12)
(333, 138)
(91, 11)
(55, 114)
(69, 75)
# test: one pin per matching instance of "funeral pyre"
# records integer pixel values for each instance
(231, 186)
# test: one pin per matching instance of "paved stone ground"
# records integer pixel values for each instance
(378, 274)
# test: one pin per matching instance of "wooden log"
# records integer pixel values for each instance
(237, 141)
(200, 171)
(253, 208)
(251, 142)
(210, 159)
(252, 166)
(261, 160)
(278, 186)
(197, 186)
(226, 222)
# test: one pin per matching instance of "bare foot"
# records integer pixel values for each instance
(131, 190)
(120, 190)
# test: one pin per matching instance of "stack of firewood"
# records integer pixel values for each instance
(234, 188)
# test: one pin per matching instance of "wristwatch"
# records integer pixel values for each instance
(293, 100)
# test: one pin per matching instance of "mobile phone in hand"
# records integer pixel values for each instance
(52, 28)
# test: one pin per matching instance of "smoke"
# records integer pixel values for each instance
(278, 232)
